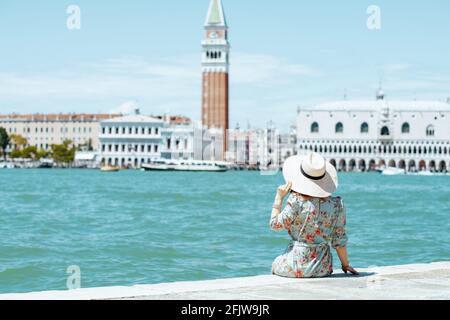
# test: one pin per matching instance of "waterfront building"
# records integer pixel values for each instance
(215, 69)
(131, 140)
(260, 148)
(287, 144)
(364, 135)
(178, 139)
(135, 139)
(43, 130)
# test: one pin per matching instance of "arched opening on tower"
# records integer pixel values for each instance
(372, 165)
(352, 165)
(362, 165)
(333, 163)
(343, 165)
(432, 166)
(392, 164)
(422, 165)
(412, 166)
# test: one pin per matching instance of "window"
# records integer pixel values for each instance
(339, 127)
(385, 131)
(430, 131)
(365, 128)
(406, 128)
(315, 128)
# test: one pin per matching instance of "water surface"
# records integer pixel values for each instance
(136, 227)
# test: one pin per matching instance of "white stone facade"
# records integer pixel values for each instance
(133, 140)
(178, 142)
(364, 135)
(130, 141)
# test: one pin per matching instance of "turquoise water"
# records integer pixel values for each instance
(135, 227)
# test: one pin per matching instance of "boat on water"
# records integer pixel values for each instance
(186, 166)
(427, 173)
(391, 171)
(45, 164)
(7, 165)
(109, 169)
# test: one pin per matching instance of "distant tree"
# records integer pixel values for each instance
(64, 153)
(4, 141)
(29, 152)
(41, 154)
(16, 153)
(18, 141)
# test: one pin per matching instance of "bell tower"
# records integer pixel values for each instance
(215, 68)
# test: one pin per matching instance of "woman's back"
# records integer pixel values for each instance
(316, 220)
(312, 223)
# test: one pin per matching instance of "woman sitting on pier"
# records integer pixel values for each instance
(313, 218)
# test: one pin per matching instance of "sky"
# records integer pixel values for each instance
(284, 54)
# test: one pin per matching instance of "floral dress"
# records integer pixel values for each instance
(312, 224)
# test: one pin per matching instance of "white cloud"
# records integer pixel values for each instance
(163, 85)
(126, 108)
(390, 69)
(254, 68)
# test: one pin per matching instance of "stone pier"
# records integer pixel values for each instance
(420, 281)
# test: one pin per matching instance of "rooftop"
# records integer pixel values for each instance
(133, 118)
(375, 105)
(216, 14)
(57, 117)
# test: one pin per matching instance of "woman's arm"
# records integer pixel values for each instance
(282, 192)
(343, 256)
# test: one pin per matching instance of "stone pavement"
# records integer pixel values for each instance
(421, 281)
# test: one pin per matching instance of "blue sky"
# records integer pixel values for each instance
(284, 53)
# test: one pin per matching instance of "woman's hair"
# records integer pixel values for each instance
(303, 196)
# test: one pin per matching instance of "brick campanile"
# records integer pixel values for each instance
(215, 68)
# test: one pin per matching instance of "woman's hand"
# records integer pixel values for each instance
(284, 190)
(348, 269)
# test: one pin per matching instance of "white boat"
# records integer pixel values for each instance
(109, 168)
(186, 165)
(391, 171)
(7, 165)
(426, 173)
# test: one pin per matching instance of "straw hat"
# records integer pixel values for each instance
(311, 175)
